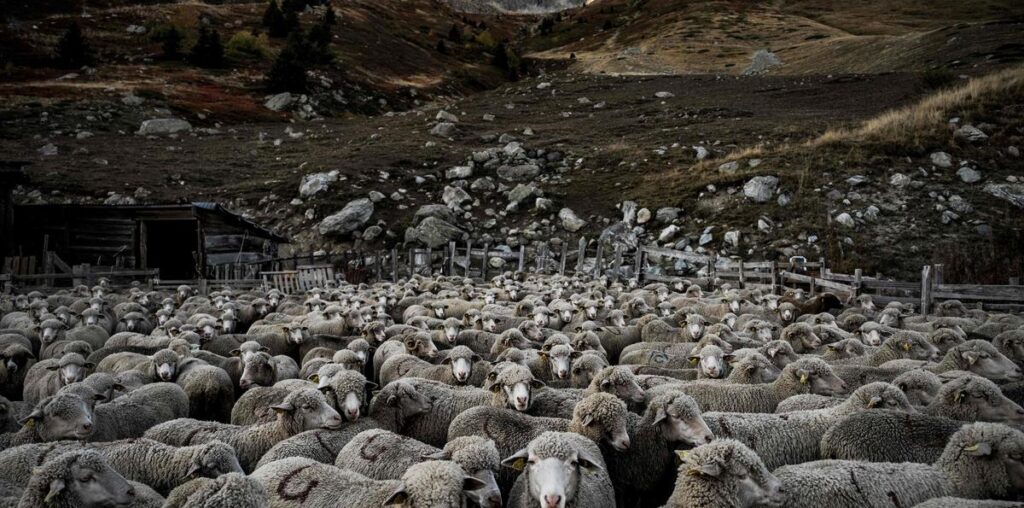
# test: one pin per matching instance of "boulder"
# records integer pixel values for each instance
(619, 234)
(459, 172)
(760, 189)
(455, 196)
(941, 160)
(160, 126)
(570, 221)
(520, 173)
(968, 174)
(761, 61)
(1014, 193)
(732, 238)
(433, 232)
(667, 214)
(437, 211)
(445, 116)
(280, 102)
(443, 129)
(845, 219)
(521, 192)
(355, 214)
(316, 183)
(970, 134)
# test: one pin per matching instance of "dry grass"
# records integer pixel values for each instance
(925, 122)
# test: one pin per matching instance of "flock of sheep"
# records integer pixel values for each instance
(560, 391)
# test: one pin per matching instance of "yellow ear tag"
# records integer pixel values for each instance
(693, 361)
(972, 448)
(314, 378)
(693, 472)
(906, 346)
(30, 423)
(519, 464)
(803, 378)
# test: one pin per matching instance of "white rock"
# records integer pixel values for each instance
(316, 183)
(570, 221)
(668, 233)
(445, 116)
(664, 95)
(942, 160)
(899, 180)
(702, 153)
(459, 172)
(760, 189)
(443, 129)
(845, 219)
(968, 174)
(732, 238)
(158, 126)
(970, 134)
(643, 216)
(48, 150)
(279, 102)
(729, 167)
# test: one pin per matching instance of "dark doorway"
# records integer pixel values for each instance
(171, 246)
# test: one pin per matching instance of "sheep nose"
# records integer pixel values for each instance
(521, 401)
(552, 501)
(245, 383)
(87, 427)
(709, 438)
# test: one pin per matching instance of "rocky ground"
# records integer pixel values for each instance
(741, 165)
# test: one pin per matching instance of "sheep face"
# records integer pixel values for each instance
(406, 399)
(787, 312)
(695, 324)
(981, 399)
(215, 459)
(531, 330)
(758, 369)
(982, 358)
(50, 330)
(816, 374)
(916, 348)
(71, 370)
(540, 316)
(90, 482)
(1011, 345)
(560, 358)
(583, 371)
(450, 329)
(308, 410)
(732, 471)
(881, 396)
(620, 383)
(801, 337)
(16, 357)
(257, 371)
(711, 361)
(489, 322)
(846, 348)
(420, 345)
(165, 363)
(679, 420)
(64, 416)
(552, 480)
(945, 339)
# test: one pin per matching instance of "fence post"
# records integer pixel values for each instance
(582, 254)
(1014, 281)
(618, 262)
(394, 265)
(430, 262)
(742, 278)
(597, 261)
(203, 287)
(937, 275)
(469, 257)
(484, 265)
(926, 289)
(451, 259)
(858, 275)
(639, 270)
(565, 253)
(412, 262)
(522, 258)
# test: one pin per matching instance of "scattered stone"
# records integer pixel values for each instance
(83, 135)
(433, 232)
(784, 199)
(544, 85)
(445, 116)
(753, 163)
(628, 211)
(459, 172)
(899, 180)
(1012, 192)
(959, 204)
(443, 129)
(544, 204)
(497, 263)
(968, 174)
(372, 233)
(761, 61)
(279, 102)
(856, 180)
(941, 160)
(760, 189)
(643, 216)
(116, 199)
(1013, 151)
(664, 95)
(732, 238)
(132, 100)
(668, 233)
(455, 196)
(970, 133)
(667, 214)
(521, 192)
(355, 214)
(845, 219)
(570, 221)
(488, 117)
(702, 153)
(871, 213)
(376, 197)
(316, 183)
(485, 184)
(48, 150)
(705, 239)
(520, 173)
(159, 126)
(729, 167)
(437, 211)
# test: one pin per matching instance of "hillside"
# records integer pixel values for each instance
(678, 131)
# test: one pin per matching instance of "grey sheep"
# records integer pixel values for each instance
(455, 369)
(959, 502)
(380, 454)
(795, 437)
(752, 368)
(261, 369)
(585, 367)
(801, 337)
(808, 402)
(158, 465)
(976, 356)
(61, 416)
(132, 414)
(447, 403)
(919, 385)
(845, 349)
(211, 393)
(724, 474)
(901, 345)
(888, 436)
(972, 398)
(233, 490)
(58, 483)
(301, 482)
(303, 410)
(418, 344)
(48, 376)
(807, 375)
(560, 469)
(779, 352)
(980, 461)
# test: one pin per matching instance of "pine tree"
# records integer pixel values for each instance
(320, 41)
(291, 22)
(330, 18)
(274, 20)
(501, 56)
(208, 51)
(72, 49)
(442, 47)
(288, 74)
(171, 44)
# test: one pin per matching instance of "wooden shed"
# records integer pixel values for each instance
(11, 175)
(182, 241)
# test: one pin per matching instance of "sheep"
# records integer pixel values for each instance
(801, 336)
(233, 490)
(1011, 344)
(57, 417)
(447, 403)
(559, 469)
(15, 361)
(976, 356)
(919, 385)
(585, 367)
(779, 352)
(794, 437)
(161, 366)
(78, 479)
(973, 398)
(345, 391)
(455, 369)
(669, 421)
(417, 344)
(261, 369)
(844, 349)
(981, 460)
(553, 363)
(10, 413)
(210, 390)
(384, 455)
(958, 502)
(724, 474)
(752, 368)
(48, 376)
(888, 436)
(303, 482)
(302, 410)
(711, 362)
(155, 464)
(132, 414)
(588, 341)
(901, 345)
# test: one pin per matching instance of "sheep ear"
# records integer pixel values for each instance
(446, 361)
(875, 401)
(803, 375)
(52, 367)
(981, 449)
(959, 396)
(56, 487)
(264, 349)
(537, 384)
(517, 461)
(470, 483)
(589, 462)
(575, 354)
(398, 497)
(660, 415)
(283, 407)
(88, 365)
(438, 455)
(543, 353)
(606, 384)
(587, 420)
(476, 357)
(370, 385)
(496, 388)
(772, 351)
(194, 470)
(970, 356)
(30, 420)
(831, 347)
(713, 469)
